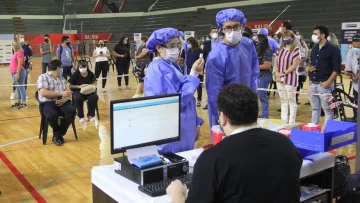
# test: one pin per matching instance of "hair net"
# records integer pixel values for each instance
(264, 31)
(182, 35)
(228, 15)
(160, 37)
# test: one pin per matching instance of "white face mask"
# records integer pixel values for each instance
(233, 37)
(254, 37)
(125, 41)
(82, 70)
(172, 54)
(298, 36)
(22, 40)
(328, 38)
(315, 39)
(214, 35)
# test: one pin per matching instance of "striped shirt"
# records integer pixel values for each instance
(49, 82)
(285, 60)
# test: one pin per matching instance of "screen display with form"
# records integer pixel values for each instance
(145, 121)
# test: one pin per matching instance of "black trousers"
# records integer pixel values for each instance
(52, 112)
(103, 68)
(302, 79)
(66, 72)
(79, 103)
(123, 68)
(44, 67)
(199, 89)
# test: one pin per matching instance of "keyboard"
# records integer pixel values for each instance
(159, 188)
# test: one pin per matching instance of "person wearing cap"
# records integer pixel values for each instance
(274, 45)
(233, 60)
(164, 76)
(83, 77)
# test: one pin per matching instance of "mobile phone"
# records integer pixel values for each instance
(201, 56)
(101, 52)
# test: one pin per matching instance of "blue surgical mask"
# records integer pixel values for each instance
(356, 50)
(189, 46)
(287, 41)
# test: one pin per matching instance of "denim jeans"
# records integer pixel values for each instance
(44, 67)
(263, 82)
(20, 89)
(318, 102)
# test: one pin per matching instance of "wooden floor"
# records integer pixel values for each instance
(31, 171)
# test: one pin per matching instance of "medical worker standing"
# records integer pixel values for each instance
(233, 60)
(164, 76)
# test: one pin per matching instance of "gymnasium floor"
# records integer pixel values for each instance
(31, 171)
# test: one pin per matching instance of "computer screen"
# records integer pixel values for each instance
(144, 121)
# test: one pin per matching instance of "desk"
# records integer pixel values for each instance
(111, 187)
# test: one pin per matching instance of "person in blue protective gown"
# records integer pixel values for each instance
(274, 45)
(163, 76)
(233, 60)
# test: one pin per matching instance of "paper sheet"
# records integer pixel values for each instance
(135, 154)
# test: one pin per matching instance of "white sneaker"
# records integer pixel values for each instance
(137, 96)
(92, 119)
(128, 88)
(82, 120)
(27, 97)
(12, 96)
(119, 88)
(104, 90)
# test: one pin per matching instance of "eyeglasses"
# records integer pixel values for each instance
(229, 28)
(172, 46)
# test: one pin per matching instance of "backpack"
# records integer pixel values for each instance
(61, 50)
(341, 173)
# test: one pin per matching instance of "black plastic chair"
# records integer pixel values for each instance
(96, 106)
(342, 96)
(44, 125)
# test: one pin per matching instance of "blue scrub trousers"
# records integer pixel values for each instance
(263, 82)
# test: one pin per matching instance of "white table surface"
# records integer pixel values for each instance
(125, 191)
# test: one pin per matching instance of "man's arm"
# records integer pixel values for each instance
(336, 61)
(57, 53)
(254, 69)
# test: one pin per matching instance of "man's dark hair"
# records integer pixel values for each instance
(46, 35)
(356, 38)
(144, 38)
(323, 30)
(246, 34)
(239, 103)
(288, 25)
(213, 28)
(54, 64)
(64, 38)
(248, 30)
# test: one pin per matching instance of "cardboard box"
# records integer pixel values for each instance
(336, 134)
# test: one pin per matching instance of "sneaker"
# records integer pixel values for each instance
(82, 120)
(119, 88)
(198, 103)
(259, 116)
(12, 96)
(62, 140)
(298, 103)
(23, 106)
(137, 96)
(307, 103)
(92, 119)
(56, 141)
(205, 107)
(104, 90)
(16, 105)
(128, 88)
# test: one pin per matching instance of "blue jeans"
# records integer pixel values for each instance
(263, 82)
(318, 102)
(20, 89)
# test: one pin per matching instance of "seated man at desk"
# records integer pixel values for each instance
(251, 165)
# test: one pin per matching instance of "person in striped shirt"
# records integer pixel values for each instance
(286, 62)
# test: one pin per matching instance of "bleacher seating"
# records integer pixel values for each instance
(43, 26)
(7, 27)
(137, 5)
(175, 4)
(35, 7)
(79, 6)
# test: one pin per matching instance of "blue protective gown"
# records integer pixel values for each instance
(227, 65)
(165, 78)
(274, 45)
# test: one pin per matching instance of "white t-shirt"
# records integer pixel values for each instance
(101, 58)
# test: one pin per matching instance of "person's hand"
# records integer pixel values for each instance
(278, 79)
(66, 93)
(356, 77)
(347, 73)
(325, 84)
(176, 190)
(198, 66)
(145, 70)
(17, 76)
(278, 74)
(60, 102)
(198, 133)
(83, 85)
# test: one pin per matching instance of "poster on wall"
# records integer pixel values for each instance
(137, 40)
(348, 30)
(189, 34)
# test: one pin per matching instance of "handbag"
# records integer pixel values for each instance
(88, 89)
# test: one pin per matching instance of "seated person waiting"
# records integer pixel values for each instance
(81, 78)
(54, 94)
(251, 165)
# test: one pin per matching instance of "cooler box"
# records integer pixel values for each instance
(311, 127)
(336, 134)
(217, 134)
(285, 131)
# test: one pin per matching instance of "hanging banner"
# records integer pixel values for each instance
(348, 30)
(189, 34)
(137, 40)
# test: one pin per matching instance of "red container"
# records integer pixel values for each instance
(310, 127)
(217, 134)
(285, 131)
